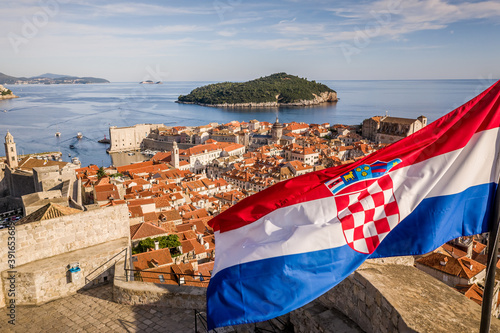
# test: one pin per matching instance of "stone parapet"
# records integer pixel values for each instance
(398, 298)
(48, 279)
(47, 238)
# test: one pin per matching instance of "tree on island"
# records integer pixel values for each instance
(282, 88)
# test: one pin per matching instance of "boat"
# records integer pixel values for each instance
(71, 147)
(105, 140)
(79, 135)
(131, 154)
(58, 134)
(69, 155)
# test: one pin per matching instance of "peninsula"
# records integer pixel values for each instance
(280, 89)
(6, 93)
(49, 78)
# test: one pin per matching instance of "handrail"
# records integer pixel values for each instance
(87, 280)
(177, 276)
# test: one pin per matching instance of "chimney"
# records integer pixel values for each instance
(157, 245)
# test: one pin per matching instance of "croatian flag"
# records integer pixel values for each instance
(283, 247)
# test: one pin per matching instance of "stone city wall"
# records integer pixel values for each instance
(44, 249)
(129, 138)
(48, 279)
(153, 144)
(43, 239)
(393, 298)
(47, 238)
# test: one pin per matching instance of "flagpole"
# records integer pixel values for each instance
(491, 266)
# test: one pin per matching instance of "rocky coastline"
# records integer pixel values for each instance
(7, 96)
(324, 97)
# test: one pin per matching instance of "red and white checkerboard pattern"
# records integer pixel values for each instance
(368, 215)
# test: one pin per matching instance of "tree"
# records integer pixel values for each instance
(170, 241)
(101, 173)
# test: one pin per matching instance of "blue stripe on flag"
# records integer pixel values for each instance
(284, 283)
(438, 220)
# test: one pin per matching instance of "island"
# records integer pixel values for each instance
(6, 93)
(280, 89)
(49, 78)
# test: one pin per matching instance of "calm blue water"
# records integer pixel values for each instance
(43, 110)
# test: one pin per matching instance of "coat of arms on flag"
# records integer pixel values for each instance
(366, 207)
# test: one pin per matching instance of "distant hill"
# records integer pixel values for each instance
(7, 79)
(274, 90)
(49, 76)
(49, 79)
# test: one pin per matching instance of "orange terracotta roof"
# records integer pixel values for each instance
(135, 211)
(473, 292)
(144, 230)
(140, 202)
(105, 192)
(48, 212)
(463, 267)
(152, 259)
(192, 245)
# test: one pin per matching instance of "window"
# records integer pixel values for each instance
(12, 149)
(162, 279)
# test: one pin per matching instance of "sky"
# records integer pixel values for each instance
(236, 40)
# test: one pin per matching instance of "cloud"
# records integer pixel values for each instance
(404, 17)
(227, 33)
(140, 9)
(240, 21)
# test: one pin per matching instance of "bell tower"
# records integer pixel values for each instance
(175, 156)
(10, 151)
(277, 130)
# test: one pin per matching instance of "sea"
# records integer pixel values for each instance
(42, 110)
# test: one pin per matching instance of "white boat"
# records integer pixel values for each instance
(58, 134)
(79, 135)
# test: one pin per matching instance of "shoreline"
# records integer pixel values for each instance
(258, 105)
(324, 97)
(8, 97)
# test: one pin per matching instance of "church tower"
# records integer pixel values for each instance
(175, 156)
(10, 151)
(277, 130)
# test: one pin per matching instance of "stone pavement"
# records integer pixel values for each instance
(93, 311)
